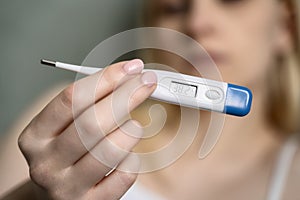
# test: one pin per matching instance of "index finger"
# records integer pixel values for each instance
(77, 97)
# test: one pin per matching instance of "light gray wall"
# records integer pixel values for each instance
(64, 30)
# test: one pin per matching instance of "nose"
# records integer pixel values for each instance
(201, 19)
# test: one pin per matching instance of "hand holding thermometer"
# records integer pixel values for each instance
(188, 91)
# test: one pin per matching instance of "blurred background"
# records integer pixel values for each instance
(63, 30)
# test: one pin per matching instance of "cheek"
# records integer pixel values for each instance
(252, 50)
(250, 62)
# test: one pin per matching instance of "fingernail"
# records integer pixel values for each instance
(149, 78)
(134, 66)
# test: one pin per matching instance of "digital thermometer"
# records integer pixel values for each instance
(188, 91)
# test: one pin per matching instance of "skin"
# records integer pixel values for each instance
(244, 38)
(224, 27)
(55, 154)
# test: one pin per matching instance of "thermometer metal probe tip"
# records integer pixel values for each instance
(48, 62)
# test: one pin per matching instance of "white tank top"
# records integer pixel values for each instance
(277, 183)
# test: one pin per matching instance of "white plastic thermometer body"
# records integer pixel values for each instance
(191, 91)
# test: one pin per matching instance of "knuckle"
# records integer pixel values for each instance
(112, 75)
(126, 179)
(25, 139)
(23, 142)
(134, 100)
(89, 126)
(109, 155)
(67, 96)
(28, 141)
(40, 174)
(112, 156)
(137, 95)
(107, 76)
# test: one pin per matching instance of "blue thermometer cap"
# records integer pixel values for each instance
(238, 100)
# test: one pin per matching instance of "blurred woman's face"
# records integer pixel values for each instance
(243, 37)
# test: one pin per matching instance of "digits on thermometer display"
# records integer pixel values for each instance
(183, 89)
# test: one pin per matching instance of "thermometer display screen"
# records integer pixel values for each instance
(183, 89)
